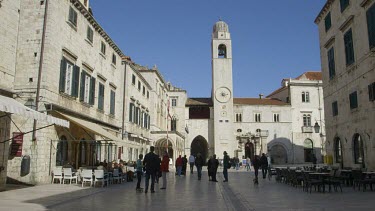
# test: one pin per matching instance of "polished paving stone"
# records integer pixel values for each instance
(186, 193)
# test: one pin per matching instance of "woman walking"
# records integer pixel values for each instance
(164, 167)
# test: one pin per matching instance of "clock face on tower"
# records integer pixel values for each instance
(222, 94)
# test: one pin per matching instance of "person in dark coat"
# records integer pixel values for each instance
(151, 164)
(213, 165)
(264, 165)
(209, 169)
(199, 163)
(226, 165)
(256, 165)
(184, 165)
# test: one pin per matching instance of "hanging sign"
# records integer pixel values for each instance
(16, 146)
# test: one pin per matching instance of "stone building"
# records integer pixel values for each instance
(347, 41)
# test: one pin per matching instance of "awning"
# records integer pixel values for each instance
(92, 127)
(12, 106)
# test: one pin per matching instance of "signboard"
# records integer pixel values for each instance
(16, 146)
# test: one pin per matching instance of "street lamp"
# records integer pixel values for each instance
(316, 127)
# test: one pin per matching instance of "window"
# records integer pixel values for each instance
(87, 88)
(371, 25)
(101, 97)
(90, 34)
(371, 92)
(353, 100)
(62, 152)
(222, 51)
(308, 150)
(257, 117)
(174, 102)
(136, 115)
(327, 21)
(344, 4)
(358, 149)
(331, 63)
(173, 124)
(276, 117)
(133, 79)
(131, 112)
(139, 85)
(102, 48)
(305, 97)
(114, 59)
(238, 117)
(349, 49)
(306, 120)
(143, 90)
(69, 78)
(148, 94)
(112, 104)
(338, 150)
(335, 110)
(72, 16)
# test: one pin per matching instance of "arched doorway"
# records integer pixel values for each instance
(359, 155)
(199, 145)
(161, 146)
(278, 154)
(338, 152)
(308, 150)
(249, 150)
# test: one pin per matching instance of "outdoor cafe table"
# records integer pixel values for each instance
(321, 176)
(369, 174)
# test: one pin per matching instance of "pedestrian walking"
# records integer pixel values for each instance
(256, 165)
(139, 169)
(209, 169)
(164, 167)
(191, 162)
(199, 163)
(151, 165)
(184, 165)
(179, 165)
(264, 165)
(213, 164)
(226, 165)
(248, 164)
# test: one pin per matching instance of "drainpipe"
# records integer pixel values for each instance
(124, 102)
(40, 67)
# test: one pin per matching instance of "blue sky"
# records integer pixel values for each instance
(271, 39)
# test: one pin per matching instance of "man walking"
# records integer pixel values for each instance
(164, 167)
(226, 166)
(179, 165)
(151, 164)
(199, 163)
(184, 165)
(264, 165)
(191, 162)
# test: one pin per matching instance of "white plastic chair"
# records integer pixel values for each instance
(68, 175)
(57, 174)
(116, 175)
(87, 176)
(99, 177)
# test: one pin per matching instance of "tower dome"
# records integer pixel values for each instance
(221, 26)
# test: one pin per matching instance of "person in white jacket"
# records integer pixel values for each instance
(191, 162)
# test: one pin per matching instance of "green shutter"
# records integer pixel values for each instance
(75, 81)
(112, 106)
(62, 75)
(92, 91)
(82, 87)
(101, 97)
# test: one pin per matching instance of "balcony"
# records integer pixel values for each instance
(307, 129)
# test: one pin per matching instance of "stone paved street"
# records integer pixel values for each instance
(186, 193)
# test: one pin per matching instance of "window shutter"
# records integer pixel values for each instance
(92, 91)
(149, 118)
(131, 112)
(101, 97)
(62, 75)
(75, 81)
(82, 87)
(371, 26)
(371, 92)
(112, 106)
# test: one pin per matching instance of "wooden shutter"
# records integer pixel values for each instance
(131, 108)
(92, 91)
(75, 81)
(82, 87)
(371, 92)
(101, 97)
(112, 106)
(62, 75)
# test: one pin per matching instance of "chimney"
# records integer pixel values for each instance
(260, 96)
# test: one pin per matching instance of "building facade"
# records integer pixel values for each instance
(347, 41)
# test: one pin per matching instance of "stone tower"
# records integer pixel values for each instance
(222, 90)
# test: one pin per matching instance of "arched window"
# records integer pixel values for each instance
(62, 152)
(222, 51)
(338, 150)
(308, 146)
(358, 149)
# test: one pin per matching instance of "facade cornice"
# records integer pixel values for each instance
(325, 8)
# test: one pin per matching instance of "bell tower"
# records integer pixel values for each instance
(222, 90)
